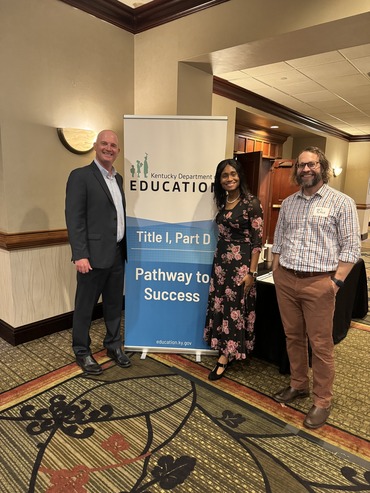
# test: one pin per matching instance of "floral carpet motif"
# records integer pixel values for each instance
(153, 428)
(348, 425)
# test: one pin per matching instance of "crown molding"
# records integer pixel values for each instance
(142, 18)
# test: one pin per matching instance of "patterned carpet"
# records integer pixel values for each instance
(151, 428)
(258, 381)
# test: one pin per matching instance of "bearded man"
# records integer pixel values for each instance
(316, 244)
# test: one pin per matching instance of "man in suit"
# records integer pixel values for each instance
(95, 217)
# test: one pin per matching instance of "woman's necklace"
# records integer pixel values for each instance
(232, 201)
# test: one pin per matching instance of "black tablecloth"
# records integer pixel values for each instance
(351, 302)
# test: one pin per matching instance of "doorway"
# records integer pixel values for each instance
(281, 187)
(269, 180)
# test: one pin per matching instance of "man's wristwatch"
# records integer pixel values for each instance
(338, 282)
(253, 274)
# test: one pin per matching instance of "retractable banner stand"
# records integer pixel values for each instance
(169, 173)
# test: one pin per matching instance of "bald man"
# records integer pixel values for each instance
(95, 217)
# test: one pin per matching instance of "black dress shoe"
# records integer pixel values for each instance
(119, 357)
(89, 365)
(289, 395)
(316, 417)
(216, 376)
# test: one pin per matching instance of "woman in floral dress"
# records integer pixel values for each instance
(231, 313)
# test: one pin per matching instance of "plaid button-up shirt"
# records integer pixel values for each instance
(314, 233)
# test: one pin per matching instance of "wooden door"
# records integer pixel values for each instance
(280, 188)
(257, 171)
(251, 163)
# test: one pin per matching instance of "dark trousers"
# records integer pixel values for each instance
(109, 284)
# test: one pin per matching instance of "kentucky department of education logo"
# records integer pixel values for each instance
(141, 169)
(143, 181)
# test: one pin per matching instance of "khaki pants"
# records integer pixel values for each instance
(307, 307)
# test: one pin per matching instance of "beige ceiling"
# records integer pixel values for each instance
(331, 84)
(332, 87)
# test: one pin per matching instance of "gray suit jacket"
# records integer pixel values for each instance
(91, 217)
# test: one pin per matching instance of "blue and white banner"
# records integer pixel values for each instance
(170, 163)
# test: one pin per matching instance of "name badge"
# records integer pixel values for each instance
(321, 211)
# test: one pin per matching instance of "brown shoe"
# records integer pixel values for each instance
(289, 394)
(316, 417)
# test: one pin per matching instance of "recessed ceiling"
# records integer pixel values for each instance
(332, 87)
(314, 71)
(321, 72)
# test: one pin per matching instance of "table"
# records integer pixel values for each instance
(351, 302)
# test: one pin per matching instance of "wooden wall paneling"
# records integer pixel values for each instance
(258, 145)
(240, 143)
(250, 145)
(266, 149)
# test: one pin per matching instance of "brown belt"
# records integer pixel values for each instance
(302, 275)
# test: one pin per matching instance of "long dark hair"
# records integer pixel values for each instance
(219, 193)
(326, 172)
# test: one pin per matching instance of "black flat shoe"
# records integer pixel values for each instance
(89, 365)
(216, 376)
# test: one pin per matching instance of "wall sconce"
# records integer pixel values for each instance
(77, 140)
(337, 171)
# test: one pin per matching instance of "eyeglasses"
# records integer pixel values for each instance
(310, 165)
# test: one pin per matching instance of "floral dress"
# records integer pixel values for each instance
(230, 313)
